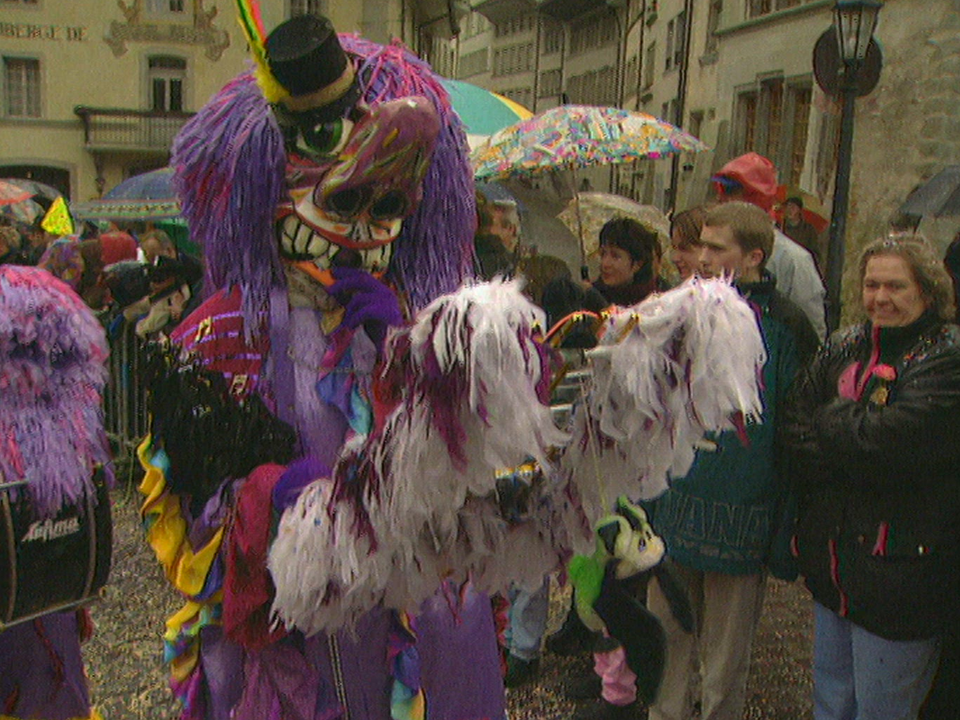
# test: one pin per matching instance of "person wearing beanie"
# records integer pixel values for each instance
(795, 227)
(752, 178)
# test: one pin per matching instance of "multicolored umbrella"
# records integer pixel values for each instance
(17, 203)
(11, 194)
(483, 112)
(576, 136)
(42, 192)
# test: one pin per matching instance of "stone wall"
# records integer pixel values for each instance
(908, 128)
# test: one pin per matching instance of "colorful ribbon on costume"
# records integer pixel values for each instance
(407, 701)
(195, 573)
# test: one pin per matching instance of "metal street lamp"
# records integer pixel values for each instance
(855, 21)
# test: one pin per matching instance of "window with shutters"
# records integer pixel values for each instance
(21, 87)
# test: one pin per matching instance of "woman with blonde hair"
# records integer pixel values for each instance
(871, 439)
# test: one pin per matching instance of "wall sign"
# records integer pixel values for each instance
(139, 28)
(31, 31)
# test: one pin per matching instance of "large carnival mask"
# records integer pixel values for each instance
(352, 180)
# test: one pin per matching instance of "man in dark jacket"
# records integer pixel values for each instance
(720, 522)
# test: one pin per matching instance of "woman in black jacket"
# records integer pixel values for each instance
(872, 441)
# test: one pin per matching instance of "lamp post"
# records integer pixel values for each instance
(855, 21)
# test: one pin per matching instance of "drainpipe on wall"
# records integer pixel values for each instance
(623, 31)
(681, 99)
(642, 19)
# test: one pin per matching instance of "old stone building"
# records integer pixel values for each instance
(739, 75)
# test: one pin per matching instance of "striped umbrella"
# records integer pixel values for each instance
(483, 112)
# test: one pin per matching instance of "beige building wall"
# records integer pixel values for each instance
(95, 53)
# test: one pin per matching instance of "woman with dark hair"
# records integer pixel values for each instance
(630, 258)
(871, 440)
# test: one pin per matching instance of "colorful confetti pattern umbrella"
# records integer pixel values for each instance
(576, 136)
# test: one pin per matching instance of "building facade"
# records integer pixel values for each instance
(738, 74)
(93, 91)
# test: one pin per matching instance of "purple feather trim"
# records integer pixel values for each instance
(434, 252)
(52, 374)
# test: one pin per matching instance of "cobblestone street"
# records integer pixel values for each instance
(128, 677)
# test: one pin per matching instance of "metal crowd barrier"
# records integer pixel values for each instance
(125, 401)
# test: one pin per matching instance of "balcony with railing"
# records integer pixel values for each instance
(119, 130)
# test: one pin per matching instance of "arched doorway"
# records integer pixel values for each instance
(54, 177)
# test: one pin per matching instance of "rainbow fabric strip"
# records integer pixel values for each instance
(407, 701)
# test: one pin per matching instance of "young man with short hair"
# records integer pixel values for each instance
(752, 178)
(720, 522)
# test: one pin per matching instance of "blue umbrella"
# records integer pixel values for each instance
(153, 185)
(149, 196)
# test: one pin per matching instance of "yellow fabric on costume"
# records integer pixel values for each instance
(185, 568)
(94, 715)
(166, 531)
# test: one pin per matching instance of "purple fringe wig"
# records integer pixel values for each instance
(52, 374)
(229, 164)
(434, 252)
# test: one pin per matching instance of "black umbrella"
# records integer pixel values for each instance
(937, 197)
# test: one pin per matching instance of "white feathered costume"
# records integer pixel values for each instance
(417, 501)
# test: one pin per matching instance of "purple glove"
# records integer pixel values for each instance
(367, 301)
(297, 476)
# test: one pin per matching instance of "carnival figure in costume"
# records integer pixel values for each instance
(332, 195)
(328, 426)
(54, 509)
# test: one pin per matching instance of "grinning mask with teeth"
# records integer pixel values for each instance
(352, 180)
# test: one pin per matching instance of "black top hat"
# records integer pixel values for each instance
(305, 55)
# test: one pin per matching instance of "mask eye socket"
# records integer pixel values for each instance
(347, 203)
(391, 206)
(326, 139)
